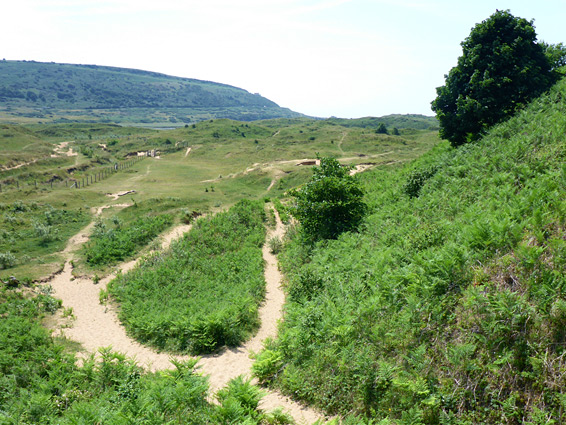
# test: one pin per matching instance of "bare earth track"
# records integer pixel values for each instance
(96, 325)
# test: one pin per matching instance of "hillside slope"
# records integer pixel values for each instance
(38, 90)
(449, 305)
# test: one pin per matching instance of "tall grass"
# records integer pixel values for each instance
(448, 306)
(204, 292)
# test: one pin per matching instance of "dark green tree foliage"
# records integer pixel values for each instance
(330, 203)
(556, 54)
(381, 129)
(502, 67)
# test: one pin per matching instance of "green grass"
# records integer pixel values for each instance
(222, 167)
(205, 291)
(32, 232)
(448, 306)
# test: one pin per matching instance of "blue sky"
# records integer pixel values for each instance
(345, 58)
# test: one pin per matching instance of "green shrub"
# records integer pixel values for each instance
(7, 260)
(330, 203)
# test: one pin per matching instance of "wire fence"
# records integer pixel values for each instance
(82, 181)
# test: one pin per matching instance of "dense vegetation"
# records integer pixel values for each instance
(40, 383)
(330, 203)
(112, 242)
(501, 69)
(63, 92)
(205, 291)
(449, 306)
(31, 229)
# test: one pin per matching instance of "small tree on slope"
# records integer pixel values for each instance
(330, 203)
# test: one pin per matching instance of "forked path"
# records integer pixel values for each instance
(96, 325)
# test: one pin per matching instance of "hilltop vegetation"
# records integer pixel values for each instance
(448, 306)
(52, 92)
(408, 121)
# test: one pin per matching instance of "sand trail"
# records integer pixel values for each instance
(96, 325)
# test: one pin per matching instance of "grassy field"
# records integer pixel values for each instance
(204, 167)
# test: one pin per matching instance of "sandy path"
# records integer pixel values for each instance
(187, 152)
(97, 325)
(234, 362)
(15, 167)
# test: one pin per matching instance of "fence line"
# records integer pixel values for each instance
(95, 176)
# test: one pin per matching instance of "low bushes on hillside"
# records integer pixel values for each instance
(30, 230)
(448, 307)
(204, 292)
(111, 244)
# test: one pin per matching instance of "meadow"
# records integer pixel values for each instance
(227, 161)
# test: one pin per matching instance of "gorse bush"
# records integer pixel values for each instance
(446, 307)
(204, 292)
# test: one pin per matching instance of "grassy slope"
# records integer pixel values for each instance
(448, 307)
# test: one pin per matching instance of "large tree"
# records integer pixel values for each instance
(502, 67)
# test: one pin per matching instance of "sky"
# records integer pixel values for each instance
(343, 58)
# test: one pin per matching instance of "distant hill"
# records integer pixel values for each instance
(52, 92)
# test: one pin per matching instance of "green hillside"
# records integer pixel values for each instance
(408, 121)
(449, 305)
(47, 92)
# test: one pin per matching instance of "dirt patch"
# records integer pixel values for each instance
(119, 194)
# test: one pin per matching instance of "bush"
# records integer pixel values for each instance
(330, 203)
(7, 260)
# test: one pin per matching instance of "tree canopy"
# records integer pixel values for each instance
(330, 203)
(501, 69)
